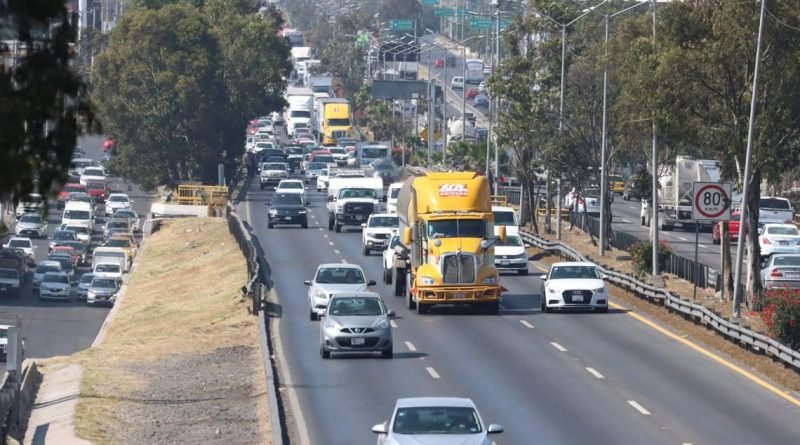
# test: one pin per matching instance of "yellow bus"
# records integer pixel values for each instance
(616, 183)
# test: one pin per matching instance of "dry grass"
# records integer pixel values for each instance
(182, 298)
(763, 365)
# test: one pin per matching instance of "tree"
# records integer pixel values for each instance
(44, 103)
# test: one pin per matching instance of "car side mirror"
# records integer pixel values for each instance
(364, 225)
(604, 277)
(390, 314)
(267, 203)
(527, 245)
(494, 429)
(307, 282)
(371, 283)
(543, 277)
(379, 428)
(330, 198)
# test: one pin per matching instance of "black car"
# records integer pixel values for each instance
(81, 248)
(287, 208)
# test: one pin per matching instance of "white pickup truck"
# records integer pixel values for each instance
(377, 231)
(774, 210)
(351, 206)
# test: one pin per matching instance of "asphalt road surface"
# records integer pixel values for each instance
(53, 328)
(548, 378)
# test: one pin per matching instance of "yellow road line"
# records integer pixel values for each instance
(743, 372)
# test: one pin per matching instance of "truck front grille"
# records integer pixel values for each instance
(359, 208)
(458, 268)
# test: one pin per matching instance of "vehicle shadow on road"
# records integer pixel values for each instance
(370, 355)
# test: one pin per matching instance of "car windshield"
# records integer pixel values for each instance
(395, 193)
(87, 278)
(357, 193)
(571, 272)
(338, 150)
(76, 214)
(786, 260)
(77, 229)
(107, 268)
(340, 275)
(104, 282)
(286, 198)
(317, 166)
(9, 273)
(511, 240)
(383, 221)
(44, 268)
(394, 242)
(56, 278)
(117, 224)
(70, 188)
(118, 242)
(504, 218)
(300, 113)
(436, 420)
(63, 258)
(773, 203)
(32, 219)
(290, 185)
(782, 230)
(124, 214)
(23, 243)
(273, 166)
(324, 158)
(64, 235)
(356, 306)
(452, 228)
(118, 199)
(93, 172)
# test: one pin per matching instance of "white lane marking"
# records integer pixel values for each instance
(702, 246)
(541, 268)
(336, 251)
(526, 324)
(432, 372)
(320, 229)
(247, 209)
(633, 207)
(324, 235)
(344, 261)
(558, 346)
(625, 221)
(594, 372)
(682, 238)
(394, 324)
(638, 407)
(410, 346)
(330, 242)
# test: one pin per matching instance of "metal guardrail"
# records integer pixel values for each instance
(753, 341)
(192, 194)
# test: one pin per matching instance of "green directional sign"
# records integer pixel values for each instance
(401, 25)
(480, 23)
(443, 12)
(430, 2)
(461, 12)
(505, 23)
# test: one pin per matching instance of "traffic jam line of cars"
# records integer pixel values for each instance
(74, 264)
(354, 319)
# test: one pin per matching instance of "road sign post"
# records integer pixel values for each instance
(711, 201)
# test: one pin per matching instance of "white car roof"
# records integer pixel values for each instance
(389, 215)
(340, 266)
(119, 194)
(346, 294)
(48, 263)
(19, 238)
(410, 402)
(574, 263)
(779, 225)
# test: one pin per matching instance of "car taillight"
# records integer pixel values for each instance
(765, 240)
(776, 273)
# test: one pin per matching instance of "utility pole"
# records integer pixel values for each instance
(654, 198)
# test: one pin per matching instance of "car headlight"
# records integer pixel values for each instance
(320, 294)
(427, 281)
(340, 208)
(599, 290)
(330, 324)
(302, 212)
(551, 290)
(273, 212)
(522, 256)
(383, 324)
(489, 280)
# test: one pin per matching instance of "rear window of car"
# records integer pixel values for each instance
(774, 203)
(786, 261)
(274, 166)
(786, 231)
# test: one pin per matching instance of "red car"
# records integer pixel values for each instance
(98, 190)
(733, 229)
(439, 63)
(68, 188)
(472, 92)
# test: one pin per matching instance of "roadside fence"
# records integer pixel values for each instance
(736, 333)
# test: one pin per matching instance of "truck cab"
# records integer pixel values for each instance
(351, 206)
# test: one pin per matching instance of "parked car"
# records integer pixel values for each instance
(778, 238)
(331, 278)
(781, 271)
(574, 285)
(356, 322)
(31, 225)
(435, 420)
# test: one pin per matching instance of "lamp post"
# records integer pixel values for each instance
(654, 168)
(463, 45)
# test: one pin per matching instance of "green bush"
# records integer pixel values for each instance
(781, 314)
(642, 256)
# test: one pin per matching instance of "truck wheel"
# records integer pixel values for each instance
(399, 281)
(312, 315)
(491, 308)
(338, 228)
(667, 228)
(331, 222)
(387, 276)
(410, 303)
(423, 309)
(365, 251)
(324, 352)
(270, 225)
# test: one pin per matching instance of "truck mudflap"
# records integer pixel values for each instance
(457, 294)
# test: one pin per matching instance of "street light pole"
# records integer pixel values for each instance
(737, 293)
(497, 103)
(654, 167)
(603, 143)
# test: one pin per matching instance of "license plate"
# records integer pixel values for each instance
(784, 243)
(3, 289)
(357, 341)
(505, 262)
(459, 296)
(792, 275)
(577, 298)
(287, 218)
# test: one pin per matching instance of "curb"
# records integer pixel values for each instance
(276, 426)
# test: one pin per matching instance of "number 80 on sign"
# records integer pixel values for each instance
(711, 201)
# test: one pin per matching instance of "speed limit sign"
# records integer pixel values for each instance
(711, 201)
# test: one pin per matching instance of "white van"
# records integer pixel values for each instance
(391, 197)
(111, 255)
(78, 213)
(506, 216)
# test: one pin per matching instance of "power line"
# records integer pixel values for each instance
(781, 22)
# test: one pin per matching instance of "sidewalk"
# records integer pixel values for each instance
(51, 420)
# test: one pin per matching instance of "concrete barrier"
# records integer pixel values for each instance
(31, 379)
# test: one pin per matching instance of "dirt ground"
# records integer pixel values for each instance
(764, 365)
(181, 362)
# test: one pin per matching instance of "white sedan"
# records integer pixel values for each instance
(435, 420)
(574, 285)
(778, 238)
(332, 278)
(295, 186)
(117, 201)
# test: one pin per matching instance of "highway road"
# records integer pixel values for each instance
(548, 378)
(53, 328)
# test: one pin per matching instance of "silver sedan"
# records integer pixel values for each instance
(781, 271)
(356, 322)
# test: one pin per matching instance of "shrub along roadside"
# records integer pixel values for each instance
(781, 314)
(642, 256)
